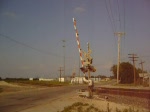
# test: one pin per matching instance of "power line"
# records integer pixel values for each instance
(23, 44)
(28, 46)
(109, 16)
(113, 21)
(124, 6)
(145, 56)
(124, 23)
(109, 9)
(119, 14)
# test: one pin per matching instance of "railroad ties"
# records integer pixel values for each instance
(141, 93)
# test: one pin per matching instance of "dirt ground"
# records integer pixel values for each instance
(67, 100)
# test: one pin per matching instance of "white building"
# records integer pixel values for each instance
(96, 79)
(77, 80)
(44, 79)
(62, 79)
(144, 75)
(31, 79)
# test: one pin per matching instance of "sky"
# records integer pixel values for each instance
(32, 34)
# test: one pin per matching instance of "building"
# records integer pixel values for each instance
(77, 80)
(45, 79)
(31, 79)
(95, 79)
(106, 79)
(145, 77)
(62, 79)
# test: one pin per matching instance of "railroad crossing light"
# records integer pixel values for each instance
(91, 61)
(83, 69)
(92, 69)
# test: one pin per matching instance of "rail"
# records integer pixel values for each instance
(124, 91)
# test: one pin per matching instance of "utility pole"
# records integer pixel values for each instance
(149, 80)
(79, 70)
(119, 35)
(133, 57)
(64, 57)
(88, 57)
(60, 70)
(142, 69)
(79, 66)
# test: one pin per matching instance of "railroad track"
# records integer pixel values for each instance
(140, 93)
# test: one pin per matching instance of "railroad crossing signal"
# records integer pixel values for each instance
(87, 60)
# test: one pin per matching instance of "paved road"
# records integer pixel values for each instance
(23, 100)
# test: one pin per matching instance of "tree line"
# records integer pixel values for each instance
(126, 73)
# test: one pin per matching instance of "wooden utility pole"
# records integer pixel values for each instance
(64, 57)
(142, 69)
(133, 57)
(149, 81)
(60, 70)
(119, 35)
(88, 57)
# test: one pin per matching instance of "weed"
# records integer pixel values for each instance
(127, 110)
(85, 107)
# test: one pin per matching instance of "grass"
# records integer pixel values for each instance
(85, 107)
(81, 107)
(39, 83)
(127, 110)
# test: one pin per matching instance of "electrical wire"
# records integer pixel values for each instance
(124, 26)
(115, 25)
(110, 19)
(124, 6)
(28, 46)
(119, 14)
(113, 21)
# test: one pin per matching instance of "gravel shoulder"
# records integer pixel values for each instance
(68, 99)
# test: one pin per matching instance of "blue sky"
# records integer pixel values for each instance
(31, 34)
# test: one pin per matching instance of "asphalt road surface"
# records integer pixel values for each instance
(22, 100)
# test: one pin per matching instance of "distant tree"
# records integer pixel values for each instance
(114, 71)
(92, 76)
(101, 76)
(0, 78)
(126, 74)
(111, 77)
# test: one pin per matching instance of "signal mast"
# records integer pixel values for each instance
(87, 60)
